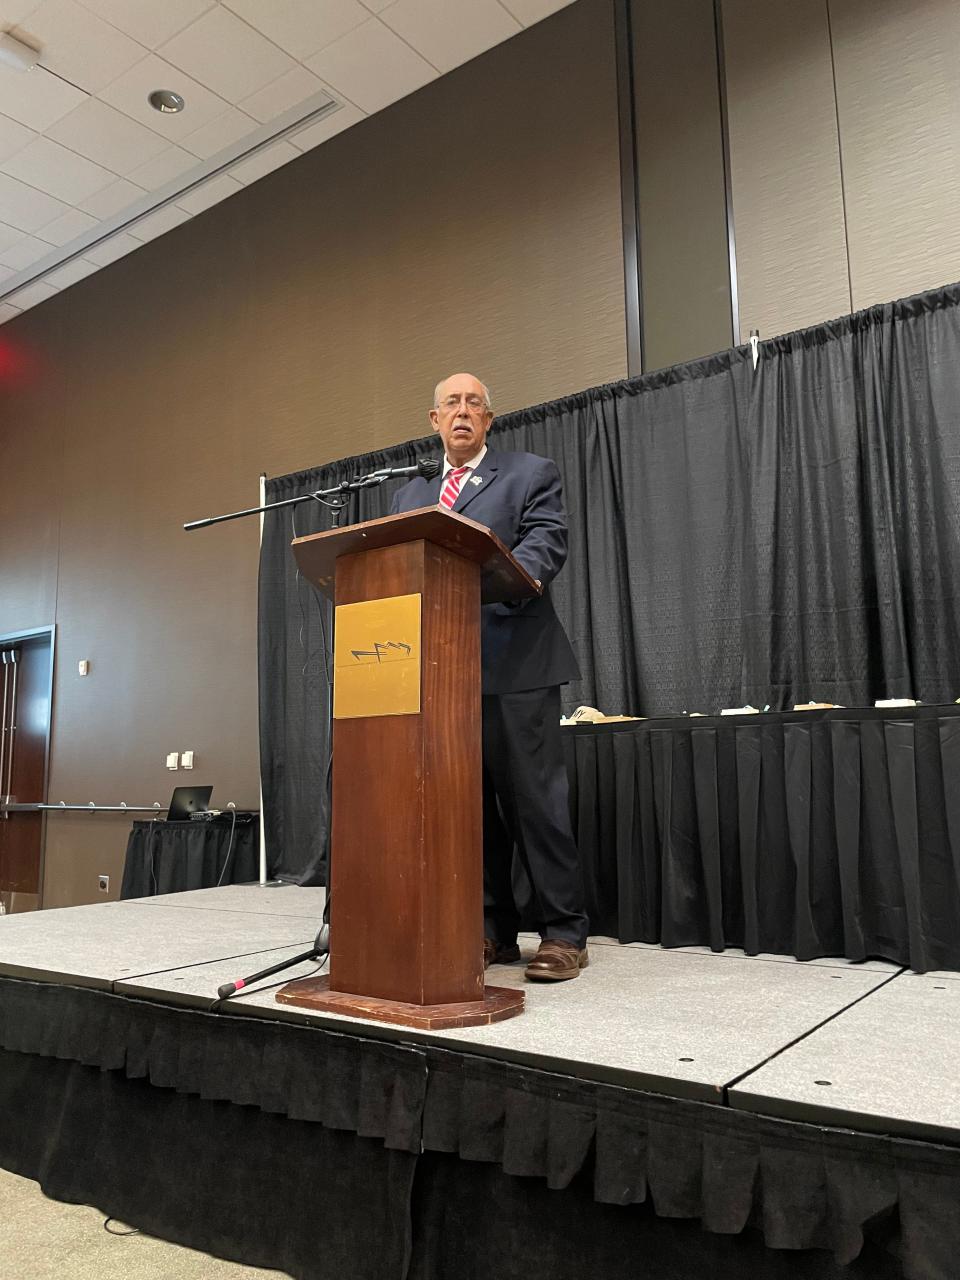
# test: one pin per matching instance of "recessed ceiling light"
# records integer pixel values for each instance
(16, 53)
(166, 100)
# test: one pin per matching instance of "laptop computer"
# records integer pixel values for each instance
(187, 800)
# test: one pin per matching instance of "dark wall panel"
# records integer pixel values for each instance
(683, 233)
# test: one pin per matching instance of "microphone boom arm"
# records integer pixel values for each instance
(427, 467)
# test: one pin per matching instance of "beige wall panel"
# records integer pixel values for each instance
(683, 233)
(898, 94)
(785, 165)
(474, 224)
(80, 847)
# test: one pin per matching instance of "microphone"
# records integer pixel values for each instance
(426, 467)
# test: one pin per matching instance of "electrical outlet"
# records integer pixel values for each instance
(103, 884)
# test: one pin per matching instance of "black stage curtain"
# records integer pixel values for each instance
(168, 857)
(329, 1155)
(809, 833)
(737, 536)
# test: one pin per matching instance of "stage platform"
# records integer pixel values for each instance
(852, 1066)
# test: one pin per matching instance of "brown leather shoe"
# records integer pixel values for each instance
(556, 961)
(499, 953)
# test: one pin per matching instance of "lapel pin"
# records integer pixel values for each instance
(476, 479)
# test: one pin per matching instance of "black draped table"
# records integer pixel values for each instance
(168, 857)
(810, 833)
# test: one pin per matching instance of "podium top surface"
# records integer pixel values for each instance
(502, 577)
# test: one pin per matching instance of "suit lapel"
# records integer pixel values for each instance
(482, 478)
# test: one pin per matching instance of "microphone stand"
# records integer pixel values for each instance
(321, 947)
(336, 498)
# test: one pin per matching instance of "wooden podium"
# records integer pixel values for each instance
(406, 910)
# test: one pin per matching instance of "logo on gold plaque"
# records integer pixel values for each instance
(377, 658)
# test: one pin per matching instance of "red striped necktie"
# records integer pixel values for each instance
(451, 486)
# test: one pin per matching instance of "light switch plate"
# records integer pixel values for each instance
(173, 760)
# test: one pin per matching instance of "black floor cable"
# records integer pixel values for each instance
(226, 861)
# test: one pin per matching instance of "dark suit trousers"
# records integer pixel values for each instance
(523, 769)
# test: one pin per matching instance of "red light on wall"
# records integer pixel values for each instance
(17, 362)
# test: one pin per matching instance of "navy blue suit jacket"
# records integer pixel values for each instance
(518, 496)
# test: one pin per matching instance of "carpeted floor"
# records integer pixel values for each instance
(45, 1240)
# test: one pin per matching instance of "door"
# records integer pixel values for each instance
(26, 683)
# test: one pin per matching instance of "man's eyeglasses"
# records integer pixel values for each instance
(474, 403)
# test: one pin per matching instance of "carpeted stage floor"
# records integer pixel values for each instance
(807, 1105)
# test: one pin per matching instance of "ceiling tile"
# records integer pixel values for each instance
(77, 45)
(70, 273)
(376, 6)
(8, 236)
(532, 11)
(39, 291)
(26, 208)
(129, 94)
(112, 199)
(372, 67)
(14, 137)
(296, 87)
(7, 312)
(107, 137)
(328, 127)
(163, 168)
(302, 27)
(6, 273)
(111, 249)
(264, 162)
(36, 98)
(46, 165)
(210, 193)
(146, 20)
(450, 32)
(14, 11)
(67, 227)
(226, 55)
(222, 132)
(25, 253)
(157, 224)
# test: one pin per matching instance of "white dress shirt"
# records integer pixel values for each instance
(471, 466)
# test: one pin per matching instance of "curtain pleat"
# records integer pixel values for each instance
(845, 796)
(704, 749)
(798, 787)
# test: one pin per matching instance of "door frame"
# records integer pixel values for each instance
(11, 638)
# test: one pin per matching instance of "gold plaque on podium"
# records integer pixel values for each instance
(377, 658)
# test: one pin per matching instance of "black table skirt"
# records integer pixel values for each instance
(168, 857)
(819, 833)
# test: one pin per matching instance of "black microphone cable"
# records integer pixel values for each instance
(226, 861)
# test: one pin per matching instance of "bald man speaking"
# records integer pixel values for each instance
(525, 658)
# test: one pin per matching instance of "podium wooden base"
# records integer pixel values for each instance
(314, 993)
